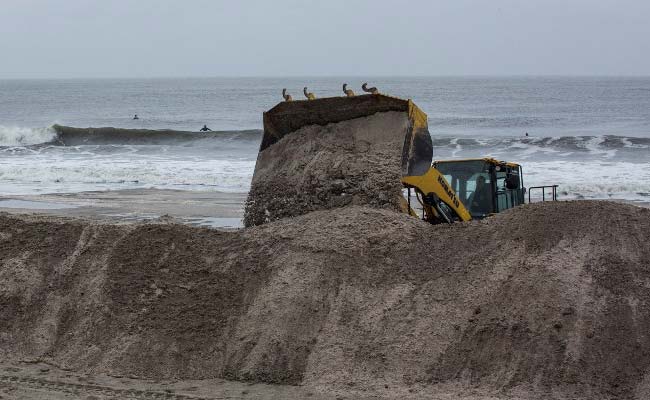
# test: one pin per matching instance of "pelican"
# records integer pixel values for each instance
(309, 96)
(348, 92)
(287, 96)
(372, 90)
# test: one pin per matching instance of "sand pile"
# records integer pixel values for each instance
(546, 299)
(353, 162)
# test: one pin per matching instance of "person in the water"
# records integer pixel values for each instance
(135, 116)
(205, 128)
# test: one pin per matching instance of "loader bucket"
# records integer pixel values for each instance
(331, 152)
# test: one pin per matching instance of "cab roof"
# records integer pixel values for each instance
(488, 160)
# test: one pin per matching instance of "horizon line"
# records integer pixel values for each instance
(327, 76)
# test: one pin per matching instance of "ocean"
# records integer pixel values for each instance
(591, 136)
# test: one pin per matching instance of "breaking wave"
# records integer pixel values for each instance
(21, 136)
(555, 147)
(70, 136)
(605, 146)
(66, 159)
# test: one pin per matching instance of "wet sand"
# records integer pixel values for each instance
(211, 209)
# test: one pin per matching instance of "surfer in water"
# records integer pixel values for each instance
(205, 128)
(135, 116)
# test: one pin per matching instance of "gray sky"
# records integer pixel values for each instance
(143, 38)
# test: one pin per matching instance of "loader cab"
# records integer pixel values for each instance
(484, 186)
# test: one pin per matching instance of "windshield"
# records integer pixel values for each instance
(472, 183)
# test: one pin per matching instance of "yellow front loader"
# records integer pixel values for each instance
(462, 190)
(447, 191)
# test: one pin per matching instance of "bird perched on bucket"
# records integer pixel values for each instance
(372, 90)
(286, 96)
(348, 92)
(308, 95)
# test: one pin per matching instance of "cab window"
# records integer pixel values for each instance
(472, 183)
(479, 191)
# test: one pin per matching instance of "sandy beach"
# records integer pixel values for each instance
(333, 289)
(212, 200)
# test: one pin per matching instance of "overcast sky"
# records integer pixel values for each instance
(154, 38)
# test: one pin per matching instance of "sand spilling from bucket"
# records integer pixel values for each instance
(546, 299)
(354, 162)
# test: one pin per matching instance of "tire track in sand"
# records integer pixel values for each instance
(97, 390)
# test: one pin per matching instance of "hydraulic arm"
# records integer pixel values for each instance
(439, 201)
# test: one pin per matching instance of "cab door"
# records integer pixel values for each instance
(509, 187)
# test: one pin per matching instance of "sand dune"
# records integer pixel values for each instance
(547, 299)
